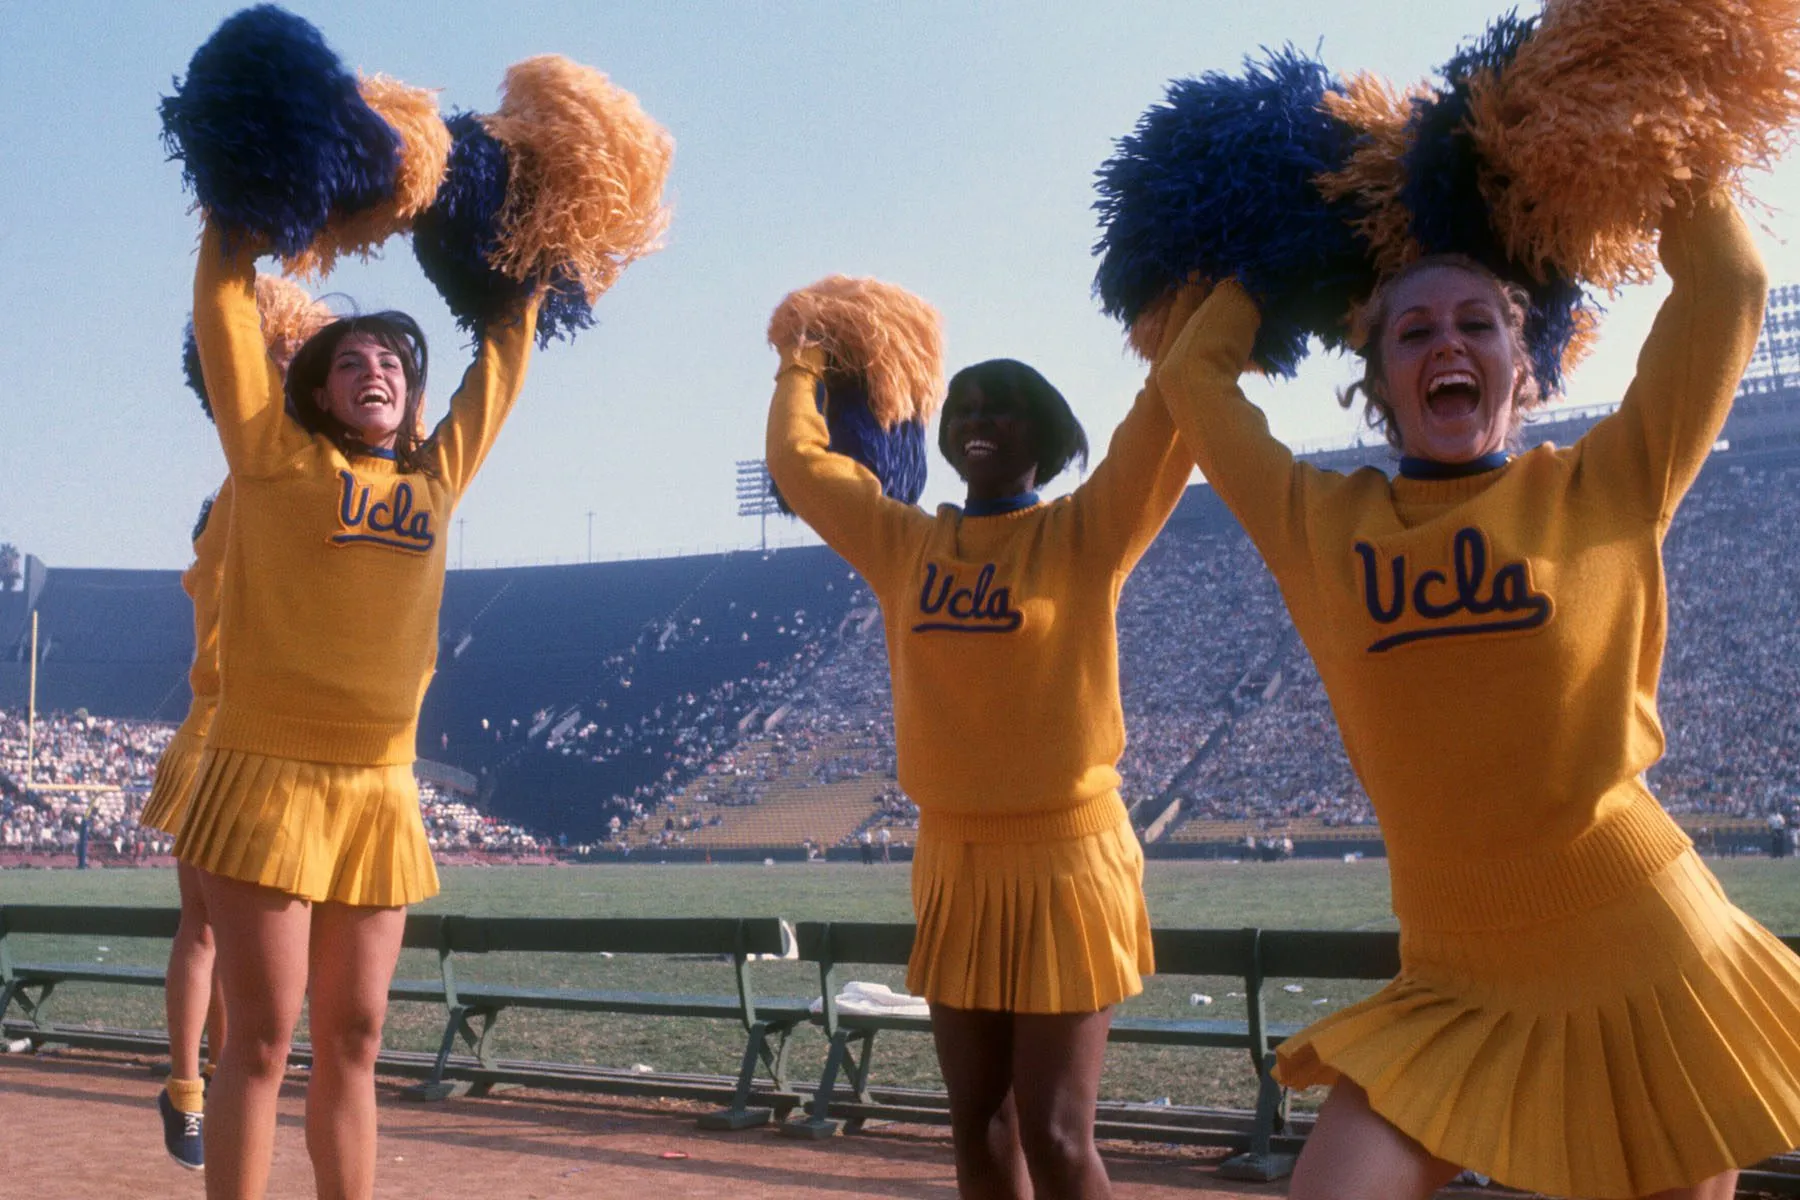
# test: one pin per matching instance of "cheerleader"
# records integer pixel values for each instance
(1027, 878)
(1580, 1011)
(191, 991)
(304, 824)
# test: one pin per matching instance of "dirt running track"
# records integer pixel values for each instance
(77, 1124)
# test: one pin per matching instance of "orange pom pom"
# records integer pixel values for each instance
(883, 333)
(1614, 110)
(588, 167)
(424, 157)
(1376, 172)
(289, 317)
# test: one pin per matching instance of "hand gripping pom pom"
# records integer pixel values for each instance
(1616, 109)
(455, 239)
(424, 157)
(884, 364)
(289, 318)
(589, 165)
(1216, 183)
(273, 135)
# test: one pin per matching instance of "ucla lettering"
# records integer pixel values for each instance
(981, 608)
(1436, 597)
(389, 522)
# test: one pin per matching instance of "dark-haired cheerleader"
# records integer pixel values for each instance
(304, 823)
(1027, 880)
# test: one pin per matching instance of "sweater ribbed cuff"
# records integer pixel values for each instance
(314, 739)
(1620, 852)
(1103, 812)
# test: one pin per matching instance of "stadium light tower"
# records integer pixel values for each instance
(1777, 354)
(756, 494)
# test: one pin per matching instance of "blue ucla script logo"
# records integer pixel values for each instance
(1508, 595)
(390, 522)
(982, 608)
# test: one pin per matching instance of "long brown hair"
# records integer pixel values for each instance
(307, 373)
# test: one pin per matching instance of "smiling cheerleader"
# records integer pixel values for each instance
(1580, 1010)
(1000, 616)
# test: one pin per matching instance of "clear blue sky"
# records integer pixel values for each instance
(948, 147)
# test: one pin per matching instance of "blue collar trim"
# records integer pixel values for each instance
(1006, 504)
(375, 452)
(1427, 468)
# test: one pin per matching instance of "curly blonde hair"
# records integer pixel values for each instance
(1370, 322)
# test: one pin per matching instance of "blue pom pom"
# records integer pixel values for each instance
(454, 238)
(190, 369)
(898, 456)
(1219, 181)
(272, 133)
(1449, 215)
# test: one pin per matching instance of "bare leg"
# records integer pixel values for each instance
(975, 1054)
(353, 955)
(1719, 1187)
(262, 938)
(1056, 1081)
(190, 979)
(1355, 1154)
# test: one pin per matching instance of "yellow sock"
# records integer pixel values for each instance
(187, 1095)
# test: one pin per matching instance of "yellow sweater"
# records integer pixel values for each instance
(202, 581)
(335, 567)
(1000, 629)
(1491, 645)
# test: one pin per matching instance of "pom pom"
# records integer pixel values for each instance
(1375, 173)
(588, 172)
(1217, 182)
(455, 241)
(881, 334)
(289, 318)
(272, 133)
(896, 454)
(884, 371)
(1616, 109)
(424, 156)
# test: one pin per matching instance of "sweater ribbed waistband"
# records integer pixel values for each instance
(1621, 851)
(1103, 812)
(314, 739)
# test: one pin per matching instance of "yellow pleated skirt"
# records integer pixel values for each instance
(319, 831)
(1041, 913)
(173, 785)
(1646, 1043)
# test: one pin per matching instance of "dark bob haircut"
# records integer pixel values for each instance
(312, 364)
(1059, 436)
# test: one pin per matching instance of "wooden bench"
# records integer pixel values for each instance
(30, 985)
(1252, 955)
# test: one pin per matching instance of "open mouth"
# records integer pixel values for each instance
(979, 448)
(1453, 394)
(373, 398)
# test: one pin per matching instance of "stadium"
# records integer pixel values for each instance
(736, 705)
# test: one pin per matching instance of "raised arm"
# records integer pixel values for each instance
(836, 495)
(243, 384)
(1251, 470)
(485, 398)
(1689, 367)
(1137, 485)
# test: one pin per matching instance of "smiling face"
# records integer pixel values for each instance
(365, 390)
(991, 441)
(1450, 369)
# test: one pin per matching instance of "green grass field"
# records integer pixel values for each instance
(1305, 894)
